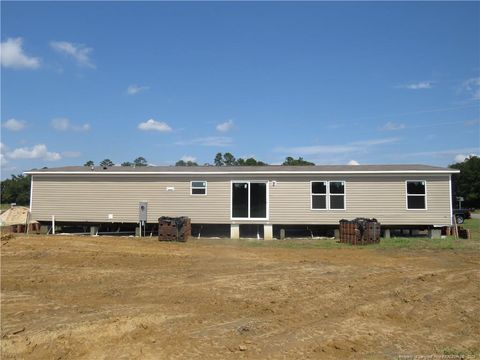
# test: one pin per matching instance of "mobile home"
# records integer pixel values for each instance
(267, 196)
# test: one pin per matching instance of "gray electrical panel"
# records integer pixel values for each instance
(142, 211)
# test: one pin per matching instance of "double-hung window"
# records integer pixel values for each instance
(198, 188)
(328, 195)
(319, 195)
(337, 195)
(416, 194)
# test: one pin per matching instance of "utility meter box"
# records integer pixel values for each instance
(142, 211)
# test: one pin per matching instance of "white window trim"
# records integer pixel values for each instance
(328, 195)
(407, 195)
(267, 182)
(191, 187)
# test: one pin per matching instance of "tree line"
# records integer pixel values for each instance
(225, 159)
(139, 161)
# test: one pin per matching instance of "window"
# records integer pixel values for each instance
(198, 188)
(328, 195)
(240, 200)
(249, 200)
(337, 195)
(319, 195)
(416, 195)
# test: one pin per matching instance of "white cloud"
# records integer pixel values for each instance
(135, 89)
(60, 124)
(419, 85)
(373, 142)
(353, 162)
(462, 157)
(12, 55)
(442, 154)
(472, 86)
(225, 126)
(84, 127)
(391, 126)
(79, 52)
(208, 141)
(3, 159)
(188, 158)
(352, 147)
(64, 124)
(39, 151)
(155, 125)
(14, 124)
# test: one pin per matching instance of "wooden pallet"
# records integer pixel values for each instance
(351, 233)
(169, 231)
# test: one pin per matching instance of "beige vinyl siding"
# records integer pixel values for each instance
(381, 197)
(90, 198)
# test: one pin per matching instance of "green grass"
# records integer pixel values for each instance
(413, 243)
(449, 243)
(474, 226)
(4, 207)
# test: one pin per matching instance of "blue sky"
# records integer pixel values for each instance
(333, 82)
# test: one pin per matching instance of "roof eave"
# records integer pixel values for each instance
(364, 172)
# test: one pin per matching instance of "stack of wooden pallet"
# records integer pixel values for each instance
(359, 231)
(174, 229)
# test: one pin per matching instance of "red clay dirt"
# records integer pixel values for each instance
(125, 298)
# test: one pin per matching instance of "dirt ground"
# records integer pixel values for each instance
(71, 297)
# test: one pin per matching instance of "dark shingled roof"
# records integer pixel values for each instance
(247, 169)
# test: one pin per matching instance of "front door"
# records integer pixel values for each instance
(249, 200)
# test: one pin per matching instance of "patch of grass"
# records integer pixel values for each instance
(4, 207)
(416, 243)
(474, 226)
(295, 244)
(448, 243)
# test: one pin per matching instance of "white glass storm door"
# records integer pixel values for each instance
(249, 200)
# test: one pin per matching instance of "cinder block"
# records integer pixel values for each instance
(93, 230)
(235, 231)
(267, 232)
(435, 233)
(336, 233)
